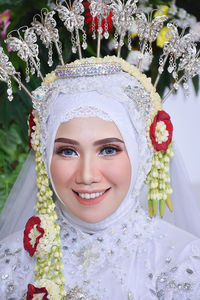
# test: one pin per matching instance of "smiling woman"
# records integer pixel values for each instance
(97, 155)
(97, 140)
(94, 148)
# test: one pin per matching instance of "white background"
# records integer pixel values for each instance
(185, 116)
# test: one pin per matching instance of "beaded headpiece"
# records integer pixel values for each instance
(179, 54)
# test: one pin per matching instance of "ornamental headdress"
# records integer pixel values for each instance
(41, 236)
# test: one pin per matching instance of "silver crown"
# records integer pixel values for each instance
(89, 69)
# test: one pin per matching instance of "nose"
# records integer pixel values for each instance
(88, 171)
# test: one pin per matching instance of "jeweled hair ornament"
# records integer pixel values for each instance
(41, 236)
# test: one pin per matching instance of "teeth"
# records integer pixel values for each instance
(90, 196)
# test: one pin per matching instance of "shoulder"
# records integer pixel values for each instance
(16, 267)
(181, 279)
(168, 242)
(169, 235)
(172, 262)
(177, 275)
(162, 237)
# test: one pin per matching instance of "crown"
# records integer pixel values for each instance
(87, 69)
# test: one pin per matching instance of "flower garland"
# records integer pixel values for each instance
(158, 181)
(41, 235)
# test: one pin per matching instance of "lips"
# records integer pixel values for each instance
(90, 198)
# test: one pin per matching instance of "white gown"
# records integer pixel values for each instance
(135, 259)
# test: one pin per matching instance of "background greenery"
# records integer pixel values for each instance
(14, 115)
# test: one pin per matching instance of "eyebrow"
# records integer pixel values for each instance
(108, 141)
(66, 141)
(97, 143)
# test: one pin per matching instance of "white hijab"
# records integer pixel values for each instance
(94, 104)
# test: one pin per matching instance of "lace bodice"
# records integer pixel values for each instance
(137, 259)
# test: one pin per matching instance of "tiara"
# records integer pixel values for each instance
(87, 69)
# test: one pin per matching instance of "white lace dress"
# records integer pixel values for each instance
(136, 259)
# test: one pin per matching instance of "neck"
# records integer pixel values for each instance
(122, 212)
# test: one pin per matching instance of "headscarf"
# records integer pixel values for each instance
(96, 102)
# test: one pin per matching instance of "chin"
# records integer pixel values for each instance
(92, 217)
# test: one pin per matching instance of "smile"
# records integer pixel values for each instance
(90, 198)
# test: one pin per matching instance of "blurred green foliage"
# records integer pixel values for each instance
(13, 154)
(13, 116)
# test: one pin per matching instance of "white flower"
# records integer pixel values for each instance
(51, 287)
(33, 235)
(133, 28)
(172, 10)
(192, 20)
(182, 13)
(111, 45)
(182, 23)
(47, 241)
(133, 58)
(51, 77)
(161, 132)
(51, 4)
(38, 296)
(145, 9)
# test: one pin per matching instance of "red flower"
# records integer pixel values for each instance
(164, 117)
(89, 19)
(27, 240)
(31, 123)
(4, 22)
(32, 290)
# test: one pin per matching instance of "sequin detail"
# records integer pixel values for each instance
(87, 70)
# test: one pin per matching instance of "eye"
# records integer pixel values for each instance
(109, 151)
(67, 152)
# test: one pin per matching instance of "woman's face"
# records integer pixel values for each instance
(90, 168)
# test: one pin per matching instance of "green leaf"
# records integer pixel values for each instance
(13, 154)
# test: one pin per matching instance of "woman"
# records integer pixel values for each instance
(97, 155)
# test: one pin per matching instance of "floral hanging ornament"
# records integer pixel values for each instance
(25, 44)
(32, 235)
(158, 179)
(71, 15)
(33, 291)
(7, 71)
(39, 235)
(44, 289)
(45, 26)
(161, 131)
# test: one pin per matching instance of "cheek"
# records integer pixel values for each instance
(119, 172)
(60, 171)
